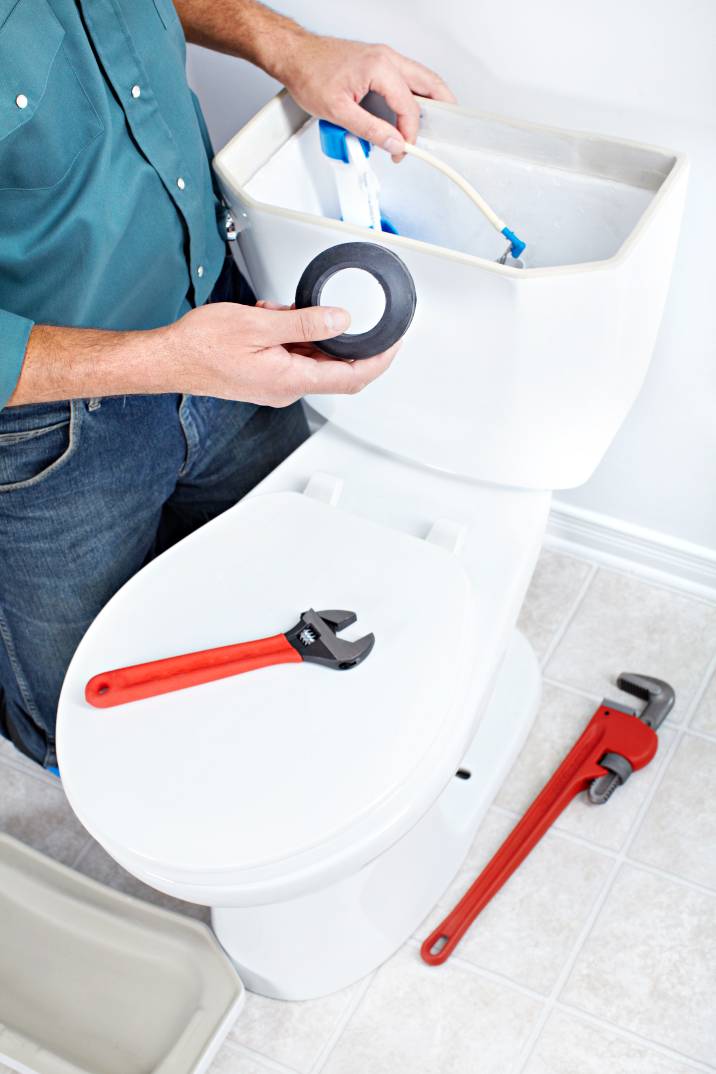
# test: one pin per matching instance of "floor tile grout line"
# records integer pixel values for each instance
(703, 736)
(44, 780)
(632, 1035)
(482, 971)
(571, 612)
(679, 732)
(622, 568)
(659, 583)
(700, 693)
(266, 1060)
(83, 851)
(550, 1000)
(560, 1005)
(571, 689)
(620, 859)
(676, 878)
(581, 557)
(672, 1053)
(562, 833)
(340, 1027)
(613, 853)
(32, 771)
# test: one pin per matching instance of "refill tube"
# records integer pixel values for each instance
(516, 245)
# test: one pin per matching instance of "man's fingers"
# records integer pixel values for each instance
(390, 83)
(265, 304)
(396, 78)
(352, 377)
(330, 376)
(361, 122)
(423, 81)
(301, 326)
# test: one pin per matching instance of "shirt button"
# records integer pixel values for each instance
(180, 183)
(200, 271)
(21, 100)
(136, 91)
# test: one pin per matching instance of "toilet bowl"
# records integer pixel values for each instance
(321, 815)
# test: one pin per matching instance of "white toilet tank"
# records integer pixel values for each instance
(514, 376)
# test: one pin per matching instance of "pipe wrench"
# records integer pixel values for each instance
(616, 742)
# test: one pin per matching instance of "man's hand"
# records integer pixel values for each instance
(265, 354)
(262, 354)
(329, 77)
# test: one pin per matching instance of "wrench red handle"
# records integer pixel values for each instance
(190, 669)
(608, 731)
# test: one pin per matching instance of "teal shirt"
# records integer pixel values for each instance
(108, 215)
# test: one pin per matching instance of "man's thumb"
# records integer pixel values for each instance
(306, 325)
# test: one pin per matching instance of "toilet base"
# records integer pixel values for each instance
(314, 944)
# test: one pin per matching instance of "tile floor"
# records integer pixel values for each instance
(600, 954)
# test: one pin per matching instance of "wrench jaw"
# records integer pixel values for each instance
(363, 646)
(618, 770)
(314, 638)
(336, 619)
(660, 698)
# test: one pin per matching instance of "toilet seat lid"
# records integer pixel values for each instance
(273, 770)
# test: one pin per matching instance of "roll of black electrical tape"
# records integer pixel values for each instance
(392, 275)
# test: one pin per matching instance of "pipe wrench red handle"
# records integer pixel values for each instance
(618, 738)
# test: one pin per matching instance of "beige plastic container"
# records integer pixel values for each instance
(96, 982)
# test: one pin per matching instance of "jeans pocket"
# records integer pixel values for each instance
(35, 441)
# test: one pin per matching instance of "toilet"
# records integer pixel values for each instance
(321, 815)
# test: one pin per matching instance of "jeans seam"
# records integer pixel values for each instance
(20, 680)
(72, 444)
(11, 439)
(189, 432)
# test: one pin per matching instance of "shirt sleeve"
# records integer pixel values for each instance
(14, 334)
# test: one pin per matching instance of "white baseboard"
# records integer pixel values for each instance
(621, 544)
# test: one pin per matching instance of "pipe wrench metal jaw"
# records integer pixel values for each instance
(659, 697)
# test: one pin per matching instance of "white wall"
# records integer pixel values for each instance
(643, 70)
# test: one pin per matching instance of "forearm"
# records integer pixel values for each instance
(79, 363)
(242, 28)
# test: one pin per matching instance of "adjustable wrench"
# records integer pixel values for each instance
(616, 741)
(313, 638)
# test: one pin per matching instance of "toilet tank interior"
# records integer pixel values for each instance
(516, 377)
(573, 198)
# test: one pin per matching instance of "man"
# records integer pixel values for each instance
(140, 396)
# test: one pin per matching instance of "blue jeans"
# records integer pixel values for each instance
(90, 490)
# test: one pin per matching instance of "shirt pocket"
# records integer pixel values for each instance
(46, 118)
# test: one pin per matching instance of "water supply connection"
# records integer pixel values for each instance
(359, 189)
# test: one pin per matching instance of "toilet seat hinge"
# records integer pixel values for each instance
(326, 488)
(448, 534)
